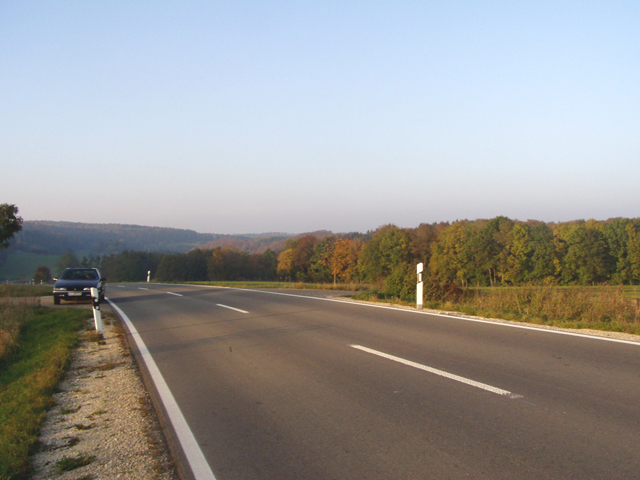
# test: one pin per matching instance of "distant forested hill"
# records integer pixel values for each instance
(41, 243)
(257, 243)
(54, 238)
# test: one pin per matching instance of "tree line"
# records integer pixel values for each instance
(498, 251)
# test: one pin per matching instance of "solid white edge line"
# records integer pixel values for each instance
(231, 308)
(198, 464)
(422, 312)
(441, 373)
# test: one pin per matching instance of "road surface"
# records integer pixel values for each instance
(283, 386)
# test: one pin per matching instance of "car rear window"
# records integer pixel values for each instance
(79, 275)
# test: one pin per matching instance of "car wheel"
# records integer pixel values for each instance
(56, 300)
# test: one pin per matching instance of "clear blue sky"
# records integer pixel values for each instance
(249, 117)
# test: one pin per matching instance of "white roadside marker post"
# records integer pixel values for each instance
(97, 316)
(420, 269)
(148, 276)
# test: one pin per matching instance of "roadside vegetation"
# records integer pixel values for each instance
(615, 309)
(35, 349)
(13, 290)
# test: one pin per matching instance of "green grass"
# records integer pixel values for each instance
(10, 290)
(71, 463)
(28, 378)
(22, 266)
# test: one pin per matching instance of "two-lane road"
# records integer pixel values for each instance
(281, 386)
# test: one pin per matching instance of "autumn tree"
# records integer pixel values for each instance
(340, 259)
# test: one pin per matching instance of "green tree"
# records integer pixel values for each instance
(617, 236)
(228, 264)
(302, 254)
(265, 265)
(320, 268)
(128, 266)
(68, 260)
(10, 223)
(43, 274)
(493, 248)
(633, 249)
(542, 257)
(422, 240)
(587, 260)
(388, 248)
(519, 249)
(450, 259)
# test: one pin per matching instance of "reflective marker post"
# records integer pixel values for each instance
(97, 316)
(148, 276)
(420, 269)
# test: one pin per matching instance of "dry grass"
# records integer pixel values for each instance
(606, 309)
(14, 314)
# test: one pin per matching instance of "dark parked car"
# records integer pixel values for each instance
(76, 284)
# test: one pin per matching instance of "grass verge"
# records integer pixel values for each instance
(615, 309)
(28, 378)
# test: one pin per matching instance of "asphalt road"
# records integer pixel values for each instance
(279, 386)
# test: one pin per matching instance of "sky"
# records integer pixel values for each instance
(252, 117)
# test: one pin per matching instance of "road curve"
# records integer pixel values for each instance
(281, 386)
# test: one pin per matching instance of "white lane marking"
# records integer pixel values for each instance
(442, 373)
(231, 308)
(195, 457)
(140, 288)
(176, 294)
(423, 312)
(121, 286)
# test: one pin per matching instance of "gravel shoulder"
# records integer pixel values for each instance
(102, 415)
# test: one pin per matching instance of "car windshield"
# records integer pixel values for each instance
(79, 275)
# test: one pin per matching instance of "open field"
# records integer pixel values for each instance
(22, 266)
(11, 290)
